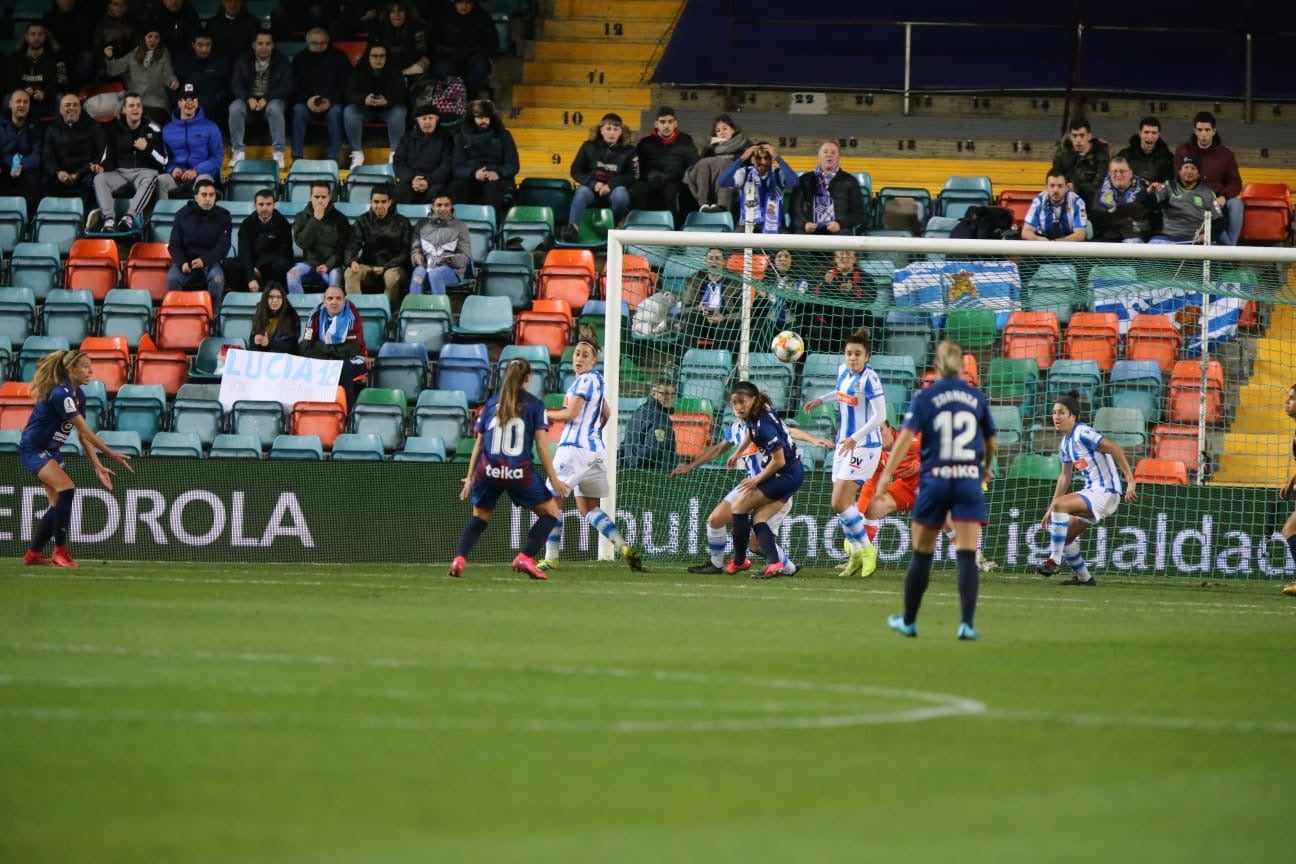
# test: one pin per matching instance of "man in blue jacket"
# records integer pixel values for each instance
(200, 240)
(194, 143)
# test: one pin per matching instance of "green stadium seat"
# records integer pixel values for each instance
(1032, 466)
(381, 410)
(425, 318)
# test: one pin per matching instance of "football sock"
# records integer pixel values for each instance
(783, 557)
(471, 534)
(63, 516)
(871, 528)
(553, 546)
(916, 584)
(1291, 545)
(969, 582)
(536, 536)
(44, 530)
(1071, 554)
(1058, 526)
(741, 536)
(852, 524)
(602, 523)
(765, 537)
(716, 540)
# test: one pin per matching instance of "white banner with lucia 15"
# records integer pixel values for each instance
(274, 377)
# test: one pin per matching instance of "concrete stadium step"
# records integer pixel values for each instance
(609, 25)
(594, 52)
(1254, 459)
(563, 120)
(564, 140)
(582, 73)
(619, 11)
(581, 98)
(1257, 449)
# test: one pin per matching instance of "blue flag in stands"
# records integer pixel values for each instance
(1182, 301)
(942, 285)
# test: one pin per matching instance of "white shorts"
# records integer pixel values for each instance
(1102, 503)
(774, 521)
(585, 471)
(858, 466)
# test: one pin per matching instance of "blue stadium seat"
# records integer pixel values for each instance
(1054, 287)
(361, 181)
(704, 374)
(402, 365)
(500, 277)
(375, 314)
(262, 419)
(126, 312)
(96, 403)
(58, 221)
(485, 317)
(9, 439)
(304, 447)
(381, 410)
(909, 333)
(819, 375)
(358, 447)
(13, 222)
(303, 172)
(126, 441)
(34, 348)
(537, 356)
(68, 313)
(465, 367)
(140, 407)
(1010, 430)
(420, 449)
(250, 176)
(720, 221)
(197, 409)
(1137, 384)
(36, 266)
(237, 310)
(443, 414)
(1083, 376)
(182, 444)
(163, 217)
(235, 446)
(6, 357)
(17, 313)
(207, 364)
(775, 377)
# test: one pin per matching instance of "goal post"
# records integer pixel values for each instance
(1182, 354)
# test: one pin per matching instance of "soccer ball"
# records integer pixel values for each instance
(788, 347)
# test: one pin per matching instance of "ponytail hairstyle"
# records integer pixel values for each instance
(51, 371)
(862, 336)
(949, 359)
(763, 404)
(512, 389)
(1071, 401)
(585, 333)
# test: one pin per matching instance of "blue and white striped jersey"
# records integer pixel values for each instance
(1080, 448)
(855, 392)
(585, 430)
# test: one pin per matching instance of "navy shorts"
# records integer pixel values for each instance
(527, 493)
(961, 498)
(34, 460)
(782, 486)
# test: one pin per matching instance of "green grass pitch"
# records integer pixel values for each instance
(231, 713)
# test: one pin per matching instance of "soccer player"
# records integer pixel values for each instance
(957, 452)
(765, 493)
(861, 411)
(1288, 491)
(1070, 513)
(581, 458)
(60, 408)
(753, 460)
(511, 424)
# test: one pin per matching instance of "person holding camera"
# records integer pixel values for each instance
(760, 187)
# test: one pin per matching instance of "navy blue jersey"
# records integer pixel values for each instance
(954, 419)
(770, 435)
(51, 420)
(506, 452)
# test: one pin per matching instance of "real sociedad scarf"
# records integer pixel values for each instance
(335, 329)
(762, 199)
(824, 212)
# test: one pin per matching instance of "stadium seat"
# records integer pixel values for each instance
(1124, 426)
(13, 222)
(326, 420)
(592, 231)
(503, 276)
(58, 221)
(6, 357)
(1018, 201)
(402, 365)
(775, 377)
(567, 274)
(1169, 472)
(425, 318)
(819, 375)
(1053, 288)
(184, 320)
(921, 197)
(96, 404)
(939, 227)
(531, 226)
(1032, 336)
(1008, 424)
(146, 269)
(304, 447)
(637, 280)
(16, 405)
(897, 397)
(181, 444)
(1083, 376)
(126, 441)
(375, 315)
(197, 410)
(442, 414)
(1153, 337)
(484, 317)
(537, 356)
(421, 449)
(237, 310)
(260, 418)
(1184, 401)
(36, 266)
(693, 421)
(547, 323)
(895, 369)
(17, 313)
(1110, 281)
(736, 262)
(1093, 336)
(9, 440)
(971, 328)
(1268, 213)
(704, 374)
(465, 367)
(162, 218)
(1032, 466)
(128, 313)
(649, 220)
(961, 194)
(69, 314)
(357, 447)
(361, 181)
(1137, 384)
(1176, 443)
(249, 176)
(555, 193)
(381, 410)
(141, 408)
(209, 361)
(303, 172)
(1013, 382)
(94, 265)
(722, 221)
(33, 349)
(109, 359)
(235, 446)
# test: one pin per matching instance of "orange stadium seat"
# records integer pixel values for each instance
(1176, 443)
(184, 319)
(1018, 201)
(168, 368)
(1153, 337)
(1093, 336)
(1184, 400)
(146, 268)
(110, 360)
(637, 279)
(692, 432)
(568, 274)
(325, 419)
(759, 264)
(1170, 472)
(1268, 214)
(1032, 336)
(547, 323)
(16, 405)
(94, 265)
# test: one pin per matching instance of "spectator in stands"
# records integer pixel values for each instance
(75, 151)
(449, 95)
(291, 17)
(1147, 154)
(261, 85)
(178, 23)
(665, 156)
(335, 331)
(376, 91)
(760, 186)
(22, 139)
(703, 178)
(275, 324)
(485, 160)
(1185, 203)
(1057, 213)
(1219, 171)
(650, 435)
(1121, 211)
(781, 308)
(711, 308)
(442, 249)
(322, 234)
(828, 201)
(378, 249)
(194, 147)
(117, 29)
(320, 76)
(465, 41)
(603, 169)
(209, 74)
(136, 154)
(232, 30)
(423, 159)
(38, 69)
(352, 17)
(264, 247)
(147, 71)
(1083, 159)
(400, 31)
(850, 294)
(65, 22)
(200, 240)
